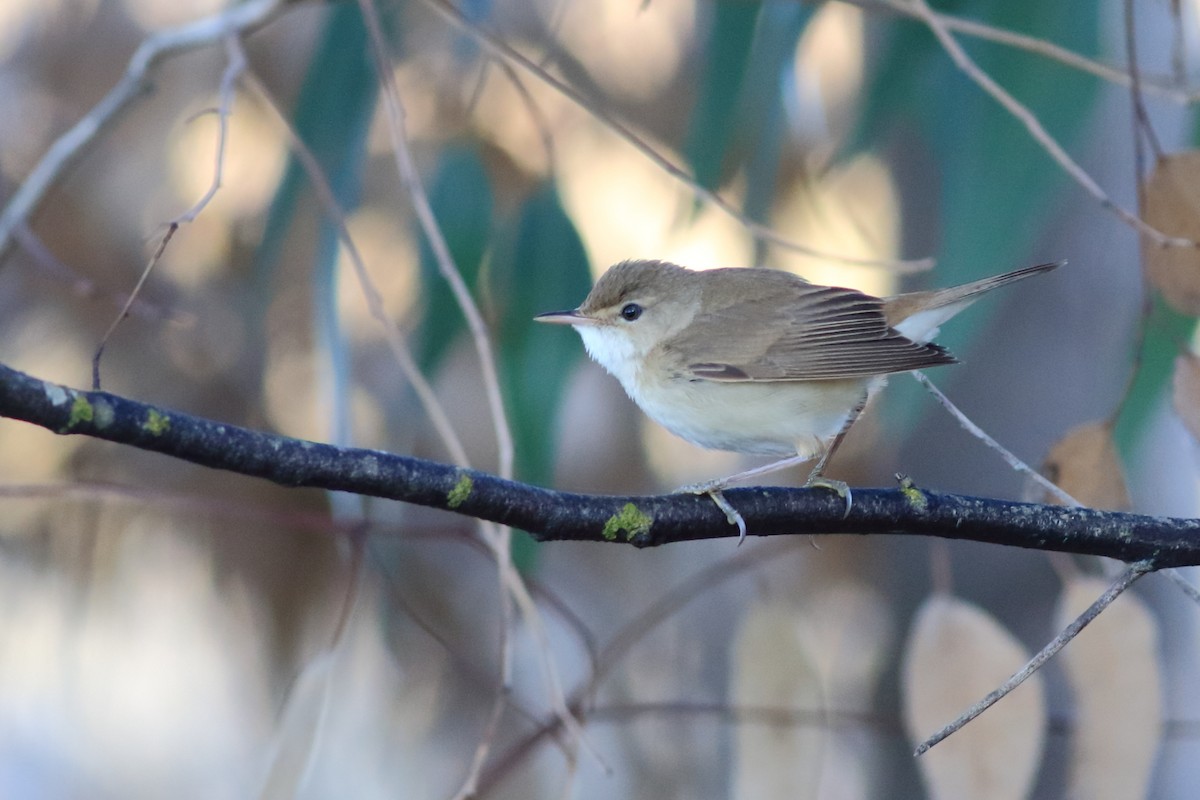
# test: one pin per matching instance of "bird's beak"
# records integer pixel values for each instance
(572, 317)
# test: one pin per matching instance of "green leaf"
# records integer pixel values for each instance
(544, 268)
(340, 85)
(1166, 331)
(997, 187)
(731, 37)
(541, 267)
(992, 211)
(461, 197)
(763, 119)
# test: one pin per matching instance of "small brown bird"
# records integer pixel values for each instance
(758, 360)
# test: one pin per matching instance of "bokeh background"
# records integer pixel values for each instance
(167, 630)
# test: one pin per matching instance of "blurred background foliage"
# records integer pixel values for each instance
(179, 616)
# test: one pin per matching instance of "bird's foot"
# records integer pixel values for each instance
(713, 489)
(841, 487)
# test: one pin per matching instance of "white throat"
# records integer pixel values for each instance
(613, 351)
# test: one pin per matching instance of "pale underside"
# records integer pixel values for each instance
(776, 418)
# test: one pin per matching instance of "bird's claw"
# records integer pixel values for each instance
(841, 487)
(731, 513)
(713, 490)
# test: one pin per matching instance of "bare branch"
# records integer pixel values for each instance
(133, 295)
(562, 516)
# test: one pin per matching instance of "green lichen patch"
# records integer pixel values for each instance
(461, 491)
(915, 497)
(156, 423)
(630, 520)
(81, 411)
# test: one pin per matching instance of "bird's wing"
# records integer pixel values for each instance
(820, 333)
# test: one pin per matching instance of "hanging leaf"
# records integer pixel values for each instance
(1165, 329)
(773, 668)
(1085, 465)
(1172, 204)
(340, 84)
(726, 54)
(1113, 670)
(545, 268)
(1186, 394)
(958, 653)
(461, 198)
(761, 110)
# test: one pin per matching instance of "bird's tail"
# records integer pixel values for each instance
(918, 315)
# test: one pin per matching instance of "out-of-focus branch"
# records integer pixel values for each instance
(72, 145)
(503, 51)
(1036, 130)
(558, 516)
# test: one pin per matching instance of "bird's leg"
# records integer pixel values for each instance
(816, 478)
(713, 488)
(708, 487)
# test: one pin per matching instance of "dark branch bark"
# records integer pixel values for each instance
(550, 515)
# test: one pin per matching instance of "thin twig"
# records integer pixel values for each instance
(1035, 128)
(1162, 86)
(412, 183)
(72, 145)
(534, 110)
(513, 588)
(32, 245)
(235, 66)
(503, 50)
(979, 433)
(1126, 579)
(491, 728)
(1141, 120)
(1187, 587)
(374, 300)
(124, 312)
(1178, 43)
(626, 637)
(233, 69)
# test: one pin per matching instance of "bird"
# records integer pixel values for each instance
(758, 360)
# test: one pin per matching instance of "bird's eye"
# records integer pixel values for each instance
(630, 312)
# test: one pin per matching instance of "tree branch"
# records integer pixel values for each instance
(73, 144)
(557, 516)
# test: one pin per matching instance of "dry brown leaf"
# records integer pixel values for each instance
(848, 631)
(772, 668)
(1172, 204)
(1186, 392)
(1085, 465)
(1113, 670)
(957, 653)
